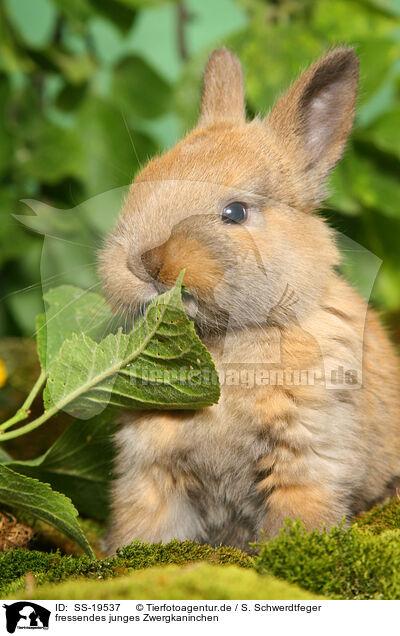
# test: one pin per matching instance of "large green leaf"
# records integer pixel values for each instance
(79, 464)
(42, 502)
(69, 311)
(161, 363)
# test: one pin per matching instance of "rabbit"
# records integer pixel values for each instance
(234, 204)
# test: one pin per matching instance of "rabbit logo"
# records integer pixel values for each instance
(26, 615)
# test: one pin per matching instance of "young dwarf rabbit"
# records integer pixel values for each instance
(233, 204)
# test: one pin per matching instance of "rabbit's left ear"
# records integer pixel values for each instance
(223, 91)
(312, 120)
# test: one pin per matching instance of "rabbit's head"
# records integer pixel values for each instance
(232, 203)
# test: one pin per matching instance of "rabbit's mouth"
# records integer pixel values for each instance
(206, 318)
(190, 303)
(189, 300)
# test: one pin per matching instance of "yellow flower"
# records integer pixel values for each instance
(3, 374)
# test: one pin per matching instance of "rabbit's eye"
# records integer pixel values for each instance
(235, 212)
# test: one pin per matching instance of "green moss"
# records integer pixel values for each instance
(381, 518)
(55, 567)
(341, 563)
(361, 562)
(197, 581)
(140, 555)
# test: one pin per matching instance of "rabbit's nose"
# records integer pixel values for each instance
(153, 261)
(164, 263)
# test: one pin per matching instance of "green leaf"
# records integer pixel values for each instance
(272, 57)
(378, 78)
(387, 288)
(207, 26)
(69, 311)
(385, 133)
(158, 26)
(161, 363)
(75, 10)
(41, 339)
(138, 89)
(341, 195)
(110, 154)
(56, 153)
(349, 21)
(6, 146)
(212, 21)
(75, 68)
(13, 240)
(365, 180)
(107, 40)
(120, 13)
(4, 457)
(79, 464)
(34, 21)
(138, 4)
(70, 96)
(42, 502)
(391, 7)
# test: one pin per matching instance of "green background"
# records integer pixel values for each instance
(89, 89)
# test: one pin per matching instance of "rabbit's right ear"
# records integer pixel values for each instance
(223, 91)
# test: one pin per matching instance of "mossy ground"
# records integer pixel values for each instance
(21, 568)
(381, 518)
(360, 562)
(196, 581)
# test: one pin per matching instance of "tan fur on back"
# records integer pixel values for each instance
(289, 437)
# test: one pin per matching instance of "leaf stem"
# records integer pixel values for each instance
(31, 426)
(24, 411)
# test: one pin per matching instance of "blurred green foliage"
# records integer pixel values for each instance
(89, 89)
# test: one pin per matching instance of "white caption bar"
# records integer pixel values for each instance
(151, 617)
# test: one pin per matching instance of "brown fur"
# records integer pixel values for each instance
(164, 263)
(265, 298)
